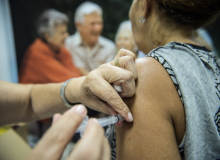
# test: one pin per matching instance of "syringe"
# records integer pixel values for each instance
(102, 121)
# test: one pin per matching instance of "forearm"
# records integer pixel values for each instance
(15, 102)
(46, 99)
(24, 103)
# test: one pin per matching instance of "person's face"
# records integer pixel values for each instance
(125, 40)
(59, 35)
(91, 29)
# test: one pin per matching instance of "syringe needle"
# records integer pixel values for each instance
(102, 121)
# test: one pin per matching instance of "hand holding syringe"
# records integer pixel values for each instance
(102, 121)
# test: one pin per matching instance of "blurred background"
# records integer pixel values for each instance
(25, 14)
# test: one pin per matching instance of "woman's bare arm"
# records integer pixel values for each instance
(159, 122)
(23, 103)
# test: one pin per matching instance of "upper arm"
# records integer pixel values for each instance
(159, 122)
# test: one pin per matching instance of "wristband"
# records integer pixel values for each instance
(62, 93)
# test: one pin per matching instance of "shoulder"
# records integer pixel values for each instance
(38, 46)
(153, 107)
(154, 77)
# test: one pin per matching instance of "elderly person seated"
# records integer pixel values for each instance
(88, 48)
(46, 61)
(124, 39)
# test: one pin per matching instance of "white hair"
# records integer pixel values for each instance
(49, 20)
(86, 8)
(125, 25)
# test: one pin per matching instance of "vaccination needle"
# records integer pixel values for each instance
(102, 121)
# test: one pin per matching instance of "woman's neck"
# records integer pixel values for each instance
(167, 37)
(54, 48)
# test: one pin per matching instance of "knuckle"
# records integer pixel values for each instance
(123, 109)
(121, 52)
(120, 106)
(129, 59)
(129, 88)
(129, 75)
(110, 95)
(91, 76)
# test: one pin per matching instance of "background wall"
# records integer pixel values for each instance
(26, 12)
(8, 66)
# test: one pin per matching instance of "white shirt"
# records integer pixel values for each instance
(84, 57)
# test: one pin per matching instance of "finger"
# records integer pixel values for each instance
(123, 52)
(119, 77)
(56, 138)
(106, 150)
(109, 95)
(90, 146)
(102, 106)
(128, 88)
(119, 124)
(56, 117)
(127, 63)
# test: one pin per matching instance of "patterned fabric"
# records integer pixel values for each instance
(90, 59)
(196, 76)
(217, 120)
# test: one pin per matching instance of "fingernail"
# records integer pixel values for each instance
(80, 109)
(130, 118)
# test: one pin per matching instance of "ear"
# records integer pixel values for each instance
(146, 7)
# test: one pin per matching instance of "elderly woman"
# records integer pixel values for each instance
(46, 60)
(176, 107)
(124, 39)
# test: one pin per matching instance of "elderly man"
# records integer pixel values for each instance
(89, 50)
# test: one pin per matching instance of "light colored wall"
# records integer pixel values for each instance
(8, 64)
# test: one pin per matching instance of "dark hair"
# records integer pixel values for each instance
(194, 13)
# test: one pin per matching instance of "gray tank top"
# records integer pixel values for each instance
(195, 73)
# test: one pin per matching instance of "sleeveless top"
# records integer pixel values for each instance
(195, 73)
